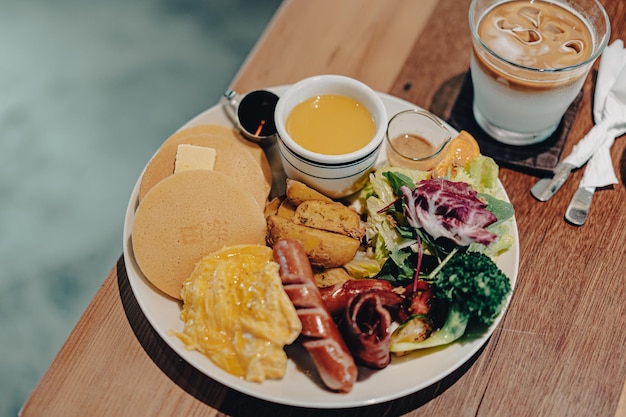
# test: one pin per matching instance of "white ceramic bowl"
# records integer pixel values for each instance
(337, 176)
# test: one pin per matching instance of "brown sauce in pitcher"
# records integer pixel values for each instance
(413, 146)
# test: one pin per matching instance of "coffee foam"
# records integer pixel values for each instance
(538, 35)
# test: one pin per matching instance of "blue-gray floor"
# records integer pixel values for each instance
(88, 91)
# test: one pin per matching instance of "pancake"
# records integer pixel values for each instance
(187, 216)
(241, 161)
(254, 148)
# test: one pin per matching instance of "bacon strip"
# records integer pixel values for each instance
(367, 327)
(337, 297)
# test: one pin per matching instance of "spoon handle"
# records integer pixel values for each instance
(545, 188)
(578, 208)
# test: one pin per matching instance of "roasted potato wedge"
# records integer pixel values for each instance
(297, 192)
(331, 276)
(272, 207)
(281, 207)
(330, 216)
(323, 248)
(286, 209)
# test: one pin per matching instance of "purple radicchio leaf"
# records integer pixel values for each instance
(448, 209)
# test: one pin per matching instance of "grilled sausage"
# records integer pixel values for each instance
(322, 339)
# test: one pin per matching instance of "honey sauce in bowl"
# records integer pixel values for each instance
(331, 124)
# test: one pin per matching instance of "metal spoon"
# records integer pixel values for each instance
(545, 188)
(578, 207)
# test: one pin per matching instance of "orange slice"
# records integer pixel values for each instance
(461, 149)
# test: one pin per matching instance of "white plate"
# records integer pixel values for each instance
(402, 377)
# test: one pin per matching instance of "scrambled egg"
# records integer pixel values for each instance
(237, 313)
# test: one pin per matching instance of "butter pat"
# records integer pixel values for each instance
(190, 157)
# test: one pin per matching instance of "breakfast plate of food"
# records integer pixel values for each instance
(182, 222)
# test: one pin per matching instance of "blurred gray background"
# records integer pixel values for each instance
(88, 91)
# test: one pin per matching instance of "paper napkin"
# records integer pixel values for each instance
(609, 113)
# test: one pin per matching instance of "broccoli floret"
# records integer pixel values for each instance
(475, 290)
(473, 284)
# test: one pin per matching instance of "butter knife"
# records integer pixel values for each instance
(578, 208)
(545, 188)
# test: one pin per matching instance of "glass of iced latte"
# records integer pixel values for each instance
(530, 59)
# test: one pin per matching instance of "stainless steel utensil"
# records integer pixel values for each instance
(578, 208)
(253, 114)
(545, 188)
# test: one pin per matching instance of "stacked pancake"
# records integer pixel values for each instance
(184, 215)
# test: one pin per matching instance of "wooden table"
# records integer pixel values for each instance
(560, 350)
